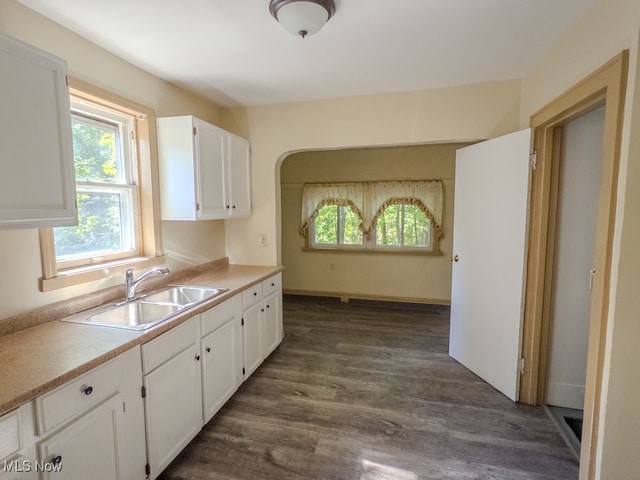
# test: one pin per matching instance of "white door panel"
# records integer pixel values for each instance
(490, 224)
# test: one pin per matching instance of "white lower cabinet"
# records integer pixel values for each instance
(272, 322)
(252, 334)
(93, 426)
(173, 393)
(262, 321)
(88, 447)
(221, 347)
(17, 444)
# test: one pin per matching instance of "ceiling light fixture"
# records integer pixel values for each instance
(302, 17)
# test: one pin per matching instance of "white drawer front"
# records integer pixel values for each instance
(251, 296)
(271, 284)
(9, 435)
(220, 314)
(169, 344)
(82, 394)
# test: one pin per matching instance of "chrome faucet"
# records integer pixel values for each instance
(131, 285)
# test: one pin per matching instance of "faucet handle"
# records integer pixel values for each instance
(128, 275)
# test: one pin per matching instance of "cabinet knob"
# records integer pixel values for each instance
(268, 306)
(57, 460)
(255, 294)
(208, 349)
(197, 358)
(88, 390)
(234, 206)
(273, 284)
(227, 207)
(262, 309)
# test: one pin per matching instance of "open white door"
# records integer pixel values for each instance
(489, 242)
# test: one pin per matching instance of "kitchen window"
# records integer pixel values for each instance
(380, 217)
(113, 171)
(107, 195)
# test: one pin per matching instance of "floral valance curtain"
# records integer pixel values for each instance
(369, 199)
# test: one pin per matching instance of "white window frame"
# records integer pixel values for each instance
(141, 141)
(369, 245)
(124, 126)
(339, 232)
(402, 246)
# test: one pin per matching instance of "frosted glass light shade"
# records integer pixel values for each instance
(302, 18)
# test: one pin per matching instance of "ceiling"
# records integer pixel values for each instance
(235, 53)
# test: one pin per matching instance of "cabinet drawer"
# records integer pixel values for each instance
(220, 314)
(9, 435)
(251, 296)
(169, 344)
(82, 394)
(271, 285)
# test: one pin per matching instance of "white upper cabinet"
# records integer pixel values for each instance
(37, 185)
(204, 171)
(238, 177)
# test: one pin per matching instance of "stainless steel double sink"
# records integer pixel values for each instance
(147, 310)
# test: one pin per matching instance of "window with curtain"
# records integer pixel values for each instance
(377, 216)
(336, 225)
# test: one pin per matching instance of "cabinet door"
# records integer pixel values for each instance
(173, 407)
(88, 448)
(18, 468)
(17, 444)
(222, 360)
(37, 185)
(272, 322)
(239, 177)
(252, 333)
(210, 155)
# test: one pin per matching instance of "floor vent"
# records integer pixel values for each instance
(569, 422)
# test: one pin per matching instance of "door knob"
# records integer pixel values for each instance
(454, 258)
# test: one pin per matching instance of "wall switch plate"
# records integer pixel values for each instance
(262, 239)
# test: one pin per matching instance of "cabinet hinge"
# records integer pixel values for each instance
(242, 322)
(197, 207)
(66, 79)
(195, 131)
(143, 391)
(243, 371)
(147, 469)
(533, 160)
(522, 366)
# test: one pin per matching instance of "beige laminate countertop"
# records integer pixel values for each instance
(38, 359)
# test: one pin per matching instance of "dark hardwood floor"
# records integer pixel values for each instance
(366, 391)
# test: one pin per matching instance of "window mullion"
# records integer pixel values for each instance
(401, 232)
(339, 226)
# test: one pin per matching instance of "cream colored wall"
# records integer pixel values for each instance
(468, 112)
(611, 26)
(396, 276)
(19, 249)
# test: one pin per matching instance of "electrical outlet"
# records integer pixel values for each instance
(332, 266)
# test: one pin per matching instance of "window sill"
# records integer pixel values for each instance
(376, 251)
(79, 275)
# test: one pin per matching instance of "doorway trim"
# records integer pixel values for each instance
(606, 86)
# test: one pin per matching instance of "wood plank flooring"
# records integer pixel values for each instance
(366, 391)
